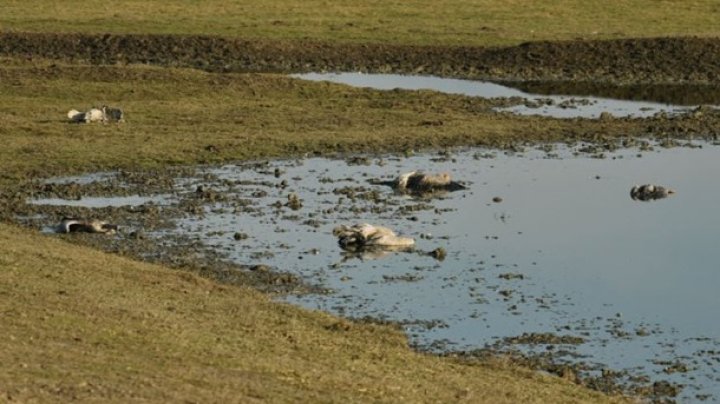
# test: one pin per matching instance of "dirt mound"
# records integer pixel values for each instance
(660, 60)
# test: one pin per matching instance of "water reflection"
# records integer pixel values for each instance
(541, 241)
(636, 280)
(371, 253)
(573, 100)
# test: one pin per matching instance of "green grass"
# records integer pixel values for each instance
(173, 115)
(445, 22)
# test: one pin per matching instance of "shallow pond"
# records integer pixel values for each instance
(545, 99)
(565, 250)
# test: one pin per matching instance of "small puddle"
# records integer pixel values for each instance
(578, 102)
(545, 240)
(82, 179)
(102, 202)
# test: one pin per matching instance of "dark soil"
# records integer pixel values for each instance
(677, 94)
(626, 61)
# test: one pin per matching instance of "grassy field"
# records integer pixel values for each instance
(445, 22)
(83, 325)
(174, 115)
(80, 324)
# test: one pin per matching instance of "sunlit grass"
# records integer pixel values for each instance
(83, 325)
(78, 324)
(173, 116)
(446, 22)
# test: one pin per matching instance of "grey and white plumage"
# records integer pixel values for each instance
(113, 114)
(91, 115)
(102, 114)
(420, 182)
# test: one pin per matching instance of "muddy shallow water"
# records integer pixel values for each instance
(545, 240)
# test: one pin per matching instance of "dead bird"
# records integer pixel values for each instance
(372, 252)
(419, 182)
(649, 192)
(365, 235)
(102, 114)
(76, 116)
(92, 115)
(74, 225)
(113, 114)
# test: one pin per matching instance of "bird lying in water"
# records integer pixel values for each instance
(649, 192)
(371, 253)
(73, 225)
(366, 235)
(419, 182)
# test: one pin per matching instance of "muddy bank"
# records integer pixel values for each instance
(677, 94)
(176, 251)
(627, 61)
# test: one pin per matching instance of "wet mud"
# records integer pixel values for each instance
(136, 222)
(677, 94)
(625, 61)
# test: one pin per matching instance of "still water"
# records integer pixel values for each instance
(543, 101)
(566, 250)
(637, 279)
